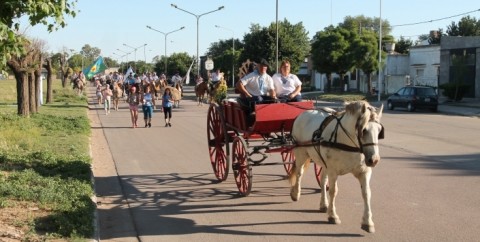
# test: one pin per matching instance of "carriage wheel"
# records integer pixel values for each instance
(288, 159)
(241, 168)
(217, 147)
(318, 175)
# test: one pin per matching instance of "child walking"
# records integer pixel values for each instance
(147, 106)
(167, 102)
(133, 100)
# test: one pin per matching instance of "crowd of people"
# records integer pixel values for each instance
(254, 88)
(137, 90)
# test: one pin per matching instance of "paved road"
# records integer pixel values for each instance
(157, 185)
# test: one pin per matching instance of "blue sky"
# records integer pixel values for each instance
(109, 24)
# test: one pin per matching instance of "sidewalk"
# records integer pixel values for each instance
(465, 107)
(469, 107)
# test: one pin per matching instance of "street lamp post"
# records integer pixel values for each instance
(126, 53)
(121, 56)
(165, 34)
(233, 52)
(135, 52)
(198, 18)
(276, 36)
(380, 53)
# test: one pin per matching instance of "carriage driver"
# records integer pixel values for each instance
(257, 86)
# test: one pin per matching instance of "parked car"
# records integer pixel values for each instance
(412, 97)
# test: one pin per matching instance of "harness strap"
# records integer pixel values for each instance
(340, 146)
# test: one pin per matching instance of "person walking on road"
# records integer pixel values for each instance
(147, 106)
(117, 94)
(133, 100)
(167, 102)
(99, 94)
(107, 99)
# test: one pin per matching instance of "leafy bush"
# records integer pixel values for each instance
(450, 90)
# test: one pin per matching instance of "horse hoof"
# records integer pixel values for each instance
(368, 228)
(323, 210)
(294, 198)
(334, 221)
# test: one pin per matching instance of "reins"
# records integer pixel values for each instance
(317, 140)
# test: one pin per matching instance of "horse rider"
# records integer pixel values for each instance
(215, 79)
(176, 79)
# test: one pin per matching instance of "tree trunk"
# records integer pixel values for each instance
(342, 82)
(31, 92)
(48, 66)
(22, 87)
(37, 77)
(369, 82)
(329, 82)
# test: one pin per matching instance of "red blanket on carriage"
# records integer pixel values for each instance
(269, 118)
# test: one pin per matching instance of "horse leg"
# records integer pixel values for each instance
(332, 192)
(367, 222)
(323, 192)
(301, 163)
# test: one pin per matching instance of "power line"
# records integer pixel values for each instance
(434, 20)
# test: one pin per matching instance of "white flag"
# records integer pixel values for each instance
(187, 77)
(129, 71)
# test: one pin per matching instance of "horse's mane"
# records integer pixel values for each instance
(363, 110)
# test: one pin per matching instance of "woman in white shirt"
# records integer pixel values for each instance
(287, 85)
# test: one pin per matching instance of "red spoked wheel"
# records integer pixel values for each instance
(318, 175)
(288, 158)
(241, 167)
(218, 148)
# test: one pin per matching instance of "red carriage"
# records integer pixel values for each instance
(230, 129)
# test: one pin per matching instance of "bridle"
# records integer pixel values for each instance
(332, 142)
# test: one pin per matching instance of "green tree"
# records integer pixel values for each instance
(90, 53)
(261, 43)
(364, 46)
(361, 23)
(403, 45)
(13, 46)
(176, 62)
(258, 44)
(365, 54)
(224, 58)
(433, 38)
(76, 62)
(467, 26)
(331, 52)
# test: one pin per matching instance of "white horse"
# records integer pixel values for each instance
(346, 143)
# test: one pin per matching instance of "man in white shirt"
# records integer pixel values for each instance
(287, 85)
(257, 86)
(217, 76)
(176, 79)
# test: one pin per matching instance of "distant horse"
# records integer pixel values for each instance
(176, 101)
(347, 142)
(159, 87)
(78, 84)
(117, 94)
(200, 91)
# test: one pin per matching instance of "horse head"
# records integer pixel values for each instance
(369, 131)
